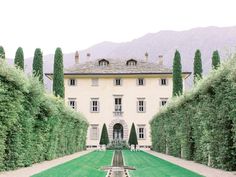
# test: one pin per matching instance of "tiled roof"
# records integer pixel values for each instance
(116, 66)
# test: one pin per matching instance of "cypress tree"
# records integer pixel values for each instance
(215, 59)
(197, 66)
(2, 53)
(38, 64)
(177, 75)
(58, 74)
(104, 137)
(19, 58)
(133, 136)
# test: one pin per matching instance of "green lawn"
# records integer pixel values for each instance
(148, 165)
(85, 166)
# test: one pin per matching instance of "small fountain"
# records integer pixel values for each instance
(117, 169)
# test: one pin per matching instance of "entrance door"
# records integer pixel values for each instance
(118, 132)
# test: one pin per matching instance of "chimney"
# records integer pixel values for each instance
(160, 59)
(88, 56)
(77, 57)
(146, 57)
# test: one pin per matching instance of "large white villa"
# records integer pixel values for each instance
(118, 93)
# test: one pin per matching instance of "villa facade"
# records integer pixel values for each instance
(118, 93)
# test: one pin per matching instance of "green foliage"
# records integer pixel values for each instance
(2, 53)
(201, 124)
(104, 137)
(133, 136)
(34, 126)
(38, 64)
(58, 74)
(177, 75)
(19, 58)
(215, 59)
(197, 66)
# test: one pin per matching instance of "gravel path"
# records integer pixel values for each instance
(193, 166)
(36, 168)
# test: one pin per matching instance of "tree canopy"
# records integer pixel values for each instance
(177, 75)
(58, 74)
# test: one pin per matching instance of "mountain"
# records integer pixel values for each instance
(163, 43)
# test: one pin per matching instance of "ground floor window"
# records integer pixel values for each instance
(94, 132)
(141, 132)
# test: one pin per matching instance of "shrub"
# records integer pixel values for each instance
(201, 124)
(34, 126)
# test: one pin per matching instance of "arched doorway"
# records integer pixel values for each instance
(118, 131)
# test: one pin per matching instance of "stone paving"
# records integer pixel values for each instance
(193, 166)
(36, 168)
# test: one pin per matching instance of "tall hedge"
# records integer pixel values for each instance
(201, 125)
(34, 126)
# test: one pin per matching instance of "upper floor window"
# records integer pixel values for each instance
(131, 62)
(141, 105)
(103, 62)
(163, 81)
(141, 132)
(118, 82)
(94, 105)
(94, 132)
(94, 81)
(72, 103)
(118, 104)
(72, 82)
(140, 81)
(163, 101)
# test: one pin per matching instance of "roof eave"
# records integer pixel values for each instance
(140, 73)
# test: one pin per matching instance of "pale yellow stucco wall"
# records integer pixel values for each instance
(152, 91)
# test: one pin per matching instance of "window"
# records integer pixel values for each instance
(163, 101)
(141, 132)
(118, 105)
(103, 62)
(163, 81)
(94, 132)
(141, 105)
(117, 82)
(72, 103)
(95, 82)
(140, 81)
(72, 82)
(131, 62)
(94, 105)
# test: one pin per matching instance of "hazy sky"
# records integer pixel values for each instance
(78, 24)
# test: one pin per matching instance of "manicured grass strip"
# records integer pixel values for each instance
(148, 165)
(85, 166)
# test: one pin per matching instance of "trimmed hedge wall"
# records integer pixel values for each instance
(201, 124)
(34, 126)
